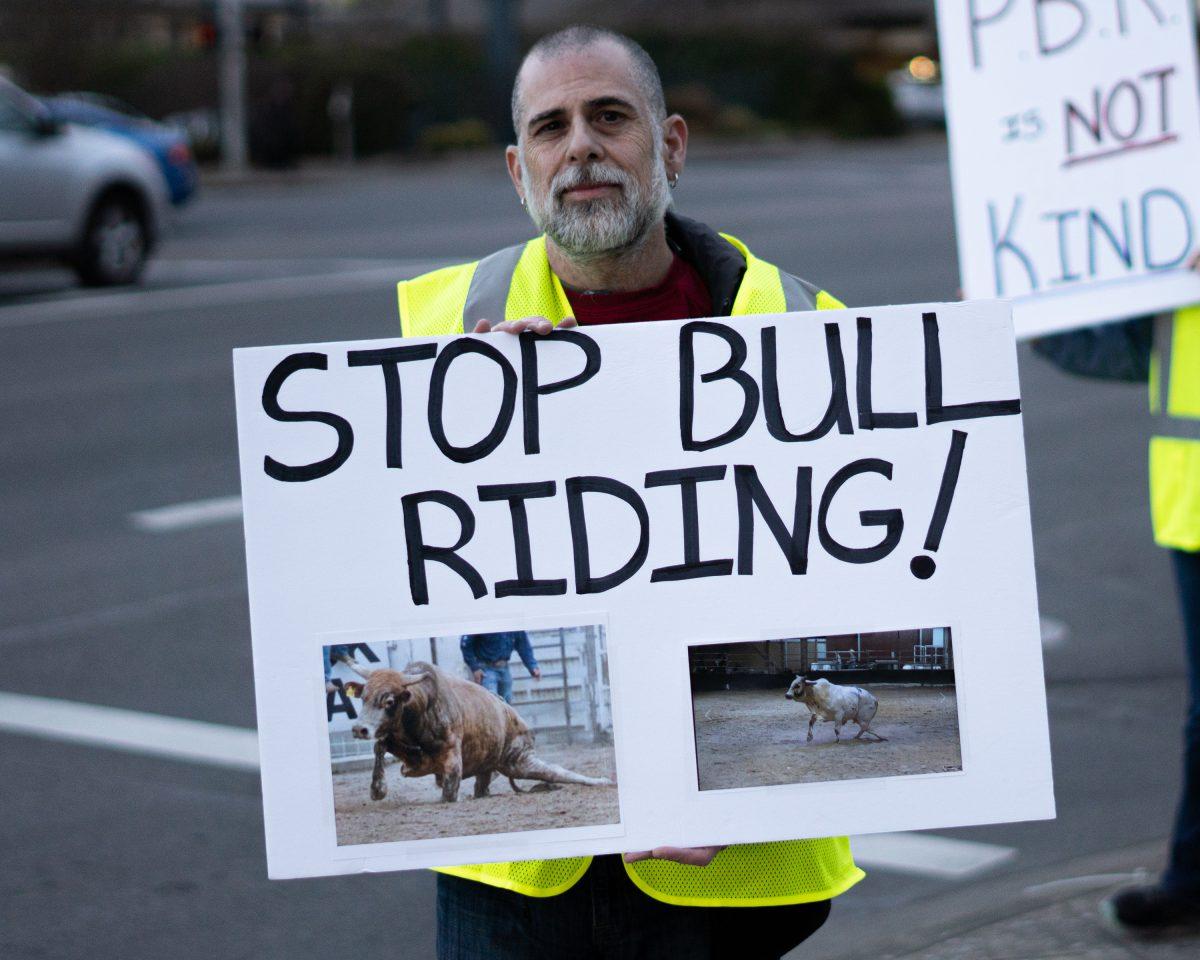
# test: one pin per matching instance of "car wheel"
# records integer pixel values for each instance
(114, 245)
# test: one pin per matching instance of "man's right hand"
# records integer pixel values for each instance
(538, 325)
(478, 675)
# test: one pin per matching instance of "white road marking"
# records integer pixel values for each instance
(928, 855)
(1093, 881)
(182, 516)
(193, 741)
(196, 741)
(130, 303)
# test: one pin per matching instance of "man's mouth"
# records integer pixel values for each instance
(589, 191)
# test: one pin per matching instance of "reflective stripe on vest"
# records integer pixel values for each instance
(1167, 424)
(796, 295)
(488, 293)
(756, 874)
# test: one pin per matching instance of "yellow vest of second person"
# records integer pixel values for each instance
(1175, 446)
(518, 282)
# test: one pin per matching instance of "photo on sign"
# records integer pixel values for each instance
(531, 710)
(815, 709)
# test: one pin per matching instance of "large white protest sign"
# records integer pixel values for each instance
(1075, 155)
(668, 523)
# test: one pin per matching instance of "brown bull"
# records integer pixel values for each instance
(438, 724)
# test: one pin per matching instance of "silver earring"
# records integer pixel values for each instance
(522, 201)
(673, 181)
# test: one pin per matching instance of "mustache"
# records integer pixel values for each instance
(592, 175)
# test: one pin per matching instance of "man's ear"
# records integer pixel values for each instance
(675, 140)
(512, 157)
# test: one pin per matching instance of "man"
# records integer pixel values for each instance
(487, 654)
(1167, 350)
(595, 160)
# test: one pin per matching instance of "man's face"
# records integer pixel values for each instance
(589, 159)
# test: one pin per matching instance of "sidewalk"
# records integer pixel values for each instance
(1050, 915)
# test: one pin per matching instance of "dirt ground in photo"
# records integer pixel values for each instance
(413, 808)
(749, 738)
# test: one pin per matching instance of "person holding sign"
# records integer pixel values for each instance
(1166, 350)
(595, 161)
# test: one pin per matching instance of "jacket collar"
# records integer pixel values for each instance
(718, 261)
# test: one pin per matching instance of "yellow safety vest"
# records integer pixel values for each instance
(518, 282)
(1175, 445)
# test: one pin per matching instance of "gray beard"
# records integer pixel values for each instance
(593, 229)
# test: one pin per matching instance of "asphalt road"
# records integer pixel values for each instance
(113, 403)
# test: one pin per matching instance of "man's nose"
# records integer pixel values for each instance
(583, 145)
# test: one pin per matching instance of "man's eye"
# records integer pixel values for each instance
(550, 127)
(611, 116)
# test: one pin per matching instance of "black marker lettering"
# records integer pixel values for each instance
(751, 495)
(868, 419)
(935, 411)
(891, 520)
(419, 552)
(531, 389)
(838, 411)
(389, 360)
(525, 585)
(270, 403)
(576, 487)
(437, 399)
(730, 370)
(692, 567)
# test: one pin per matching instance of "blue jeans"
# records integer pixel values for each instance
(1183, 867)
(499, 681)
(605, 916)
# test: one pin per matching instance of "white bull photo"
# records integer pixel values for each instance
(828, 701)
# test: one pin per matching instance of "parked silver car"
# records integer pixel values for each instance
(80, 195)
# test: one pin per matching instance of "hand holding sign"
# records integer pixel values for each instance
(538, 325)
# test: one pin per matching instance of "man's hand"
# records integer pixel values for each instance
(537, 673)
(478, 675)
(1193, 264)
(538, 325)
(692, 856)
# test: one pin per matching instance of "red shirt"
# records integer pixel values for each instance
(681, 296)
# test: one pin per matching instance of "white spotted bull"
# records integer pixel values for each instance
(828, 701)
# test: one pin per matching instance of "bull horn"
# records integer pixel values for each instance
(364, 672)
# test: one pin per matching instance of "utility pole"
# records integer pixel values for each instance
(231, 74)
(503, 51)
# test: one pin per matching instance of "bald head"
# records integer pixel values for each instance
(642, 70)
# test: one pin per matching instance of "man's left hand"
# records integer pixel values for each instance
(691, 856)
(537, 673)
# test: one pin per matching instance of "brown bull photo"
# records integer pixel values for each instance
(440, 725)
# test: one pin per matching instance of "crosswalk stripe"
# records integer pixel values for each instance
(928, 855)
(197, 741)
(181, 516)
(194, 741)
